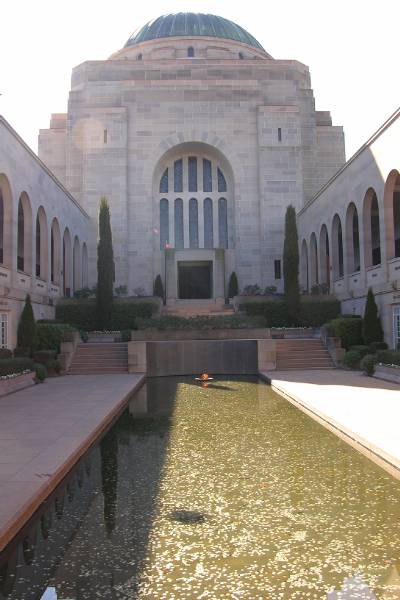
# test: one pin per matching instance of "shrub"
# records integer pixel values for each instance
(83, 293)
(361, 349)
(5, 353)
(368, 364)
(21, 352)
(50, 336)
(217, 322)
(352, 359)
(158, 289)
(291, 266)
(26, 334)
(121, 290)
(270, 289)
(84, 336)
(388, 357)
(15, 365)
(348, 330)
(82, 314)
(41, 372)
(252, 290)
(376, 346)
(233, 286)
(126, 335)
(372, 327)
(45, 356)
(313, 313)
(55, 366)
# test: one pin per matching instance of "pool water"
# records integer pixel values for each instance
(218, 492)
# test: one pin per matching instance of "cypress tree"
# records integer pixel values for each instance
(158, 289)
(372, 326)
(233, 287)
(27, 334)
(291, 266)
(105, 268)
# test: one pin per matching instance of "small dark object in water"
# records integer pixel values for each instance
(191, 517)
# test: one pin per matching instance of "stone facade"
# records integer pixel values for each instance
(43, 236)
(132, 116)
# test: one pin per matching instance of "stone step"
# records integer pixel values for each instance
(100, 357)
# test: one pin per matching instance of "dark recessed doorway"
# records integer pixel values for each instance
(195, 280)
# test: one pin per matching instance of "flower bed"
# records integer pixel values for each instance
(16, 381)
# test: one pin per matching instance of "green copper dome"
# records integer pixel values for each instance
(192, 25)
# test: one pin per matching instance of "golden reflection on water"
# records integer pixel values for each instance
(267, 504)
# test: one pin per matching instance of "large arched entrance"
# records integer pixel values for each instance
(193, 221)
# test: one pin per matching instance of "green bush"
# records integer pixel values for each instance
(15, 365)
(84, 336)
(368, 364)
(348, 330)
(313, 313)
(126, 335)
(361, 349)
(389, 357)
(83, 293)
(5, 353)
(352, 359)
(376, 346)
(217, 322)
(21, 352)
(41, 372)
(55, 366)
(82, 313)
(45, 356)
(50, 336)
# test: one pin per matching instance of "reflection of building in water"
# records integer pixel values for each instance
(354, 588)
(35, 553)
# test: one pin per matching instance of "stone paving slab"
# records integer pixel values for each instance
(44, 430)
(362, 410)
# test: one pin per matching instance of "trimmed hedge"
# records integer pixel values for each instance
(368, 364)
(50, 336)
(313, 313)
(15, 365)
(217, 322)
(352, 359)
(389, 357)
(361, 349)
(46, 357)
(5, 353)
(348, 330)
(82, 313)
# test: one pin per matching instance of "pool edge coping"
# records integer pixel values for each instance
(28, 509)
(362, 445)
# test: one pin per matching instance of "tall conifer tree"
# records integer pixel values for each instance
(105, 268)
(27, 332)
(291, 266)
(372, 326)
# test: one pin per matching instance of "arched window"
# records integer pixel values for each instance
(164, 223)
(304, 266)
(139, 57)
(77, 265)
(1, 228)
(325, 265)
(55, 243)
(223, 223)
(84, 266)
(221, 181)
(241, 55)
(337, 237)
(178, 223)
(6, 220)
(208, 223)
(193, 224)
(20, 238)
(375, 233)
(37, 247)
(178, 175)
(192, 174)
(190, 52)
(392, 214)
(41, 262)
(314, 279)
(164, 182)
(372, 238)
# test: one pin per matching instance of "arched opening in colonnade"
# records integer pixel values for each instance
(6, 228)
(85, 262)
(324, 257)
(55, 253)
(41, 245)
(352, 239)
(67, 260)
(24, 234)
(372, 236)
(314, 279)
(304, 266)
(337, 248)
(77, 265)
(392, 214)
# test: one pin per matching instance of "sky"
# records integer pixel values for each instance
(351, 47)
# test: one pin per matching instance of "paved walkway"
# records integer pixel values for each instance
(44, 430)
(363, 410)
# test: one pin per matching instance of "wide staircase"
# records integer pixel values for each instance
(302, 354)
(100, 358)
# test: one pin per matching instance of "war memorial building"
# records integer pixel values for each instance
(199, 139)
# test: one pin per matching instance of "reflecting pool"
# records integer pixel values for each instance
(220, 490)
